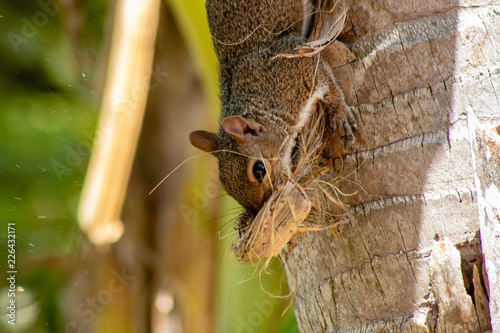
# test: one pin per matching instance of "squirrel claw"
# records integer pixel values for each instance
(347, 128)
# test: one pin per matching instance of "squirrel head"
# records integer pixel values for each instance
(250, 152)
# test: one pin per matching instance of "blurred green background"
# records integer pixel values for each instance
(172, 270)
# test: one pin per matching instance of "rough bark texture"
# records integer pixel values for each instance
(487, 158)
(419, 251)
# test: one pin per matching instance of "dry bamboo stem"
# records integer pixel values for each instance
(121, 115)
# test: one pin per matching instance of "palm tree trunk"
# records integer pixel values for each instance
(419, 249)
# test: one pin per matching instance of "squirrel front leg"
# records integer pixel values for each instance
(345, 123)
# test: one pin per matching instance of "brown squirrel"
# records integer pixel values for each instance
(266, 98)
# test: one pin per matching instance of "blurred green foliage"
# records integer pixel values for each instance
(50, 87)
(48, 78)
(192, 20)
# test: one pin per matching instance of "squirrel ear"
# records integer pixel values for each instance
(240, 128)
(323, 21)
(204, 140)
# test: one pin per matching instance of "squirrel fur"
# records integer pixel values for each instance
(266, 99)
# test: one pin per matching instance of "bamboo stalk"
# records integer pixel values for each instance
(121, 115)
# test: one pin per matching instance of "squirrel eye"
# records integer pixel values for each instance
(259, 170)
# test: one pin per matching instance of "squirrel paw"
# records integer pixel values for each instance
(347, 128)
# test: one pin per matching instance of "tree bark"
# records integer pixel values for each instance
(419, 249)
